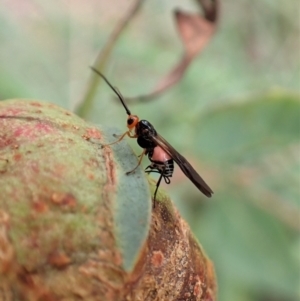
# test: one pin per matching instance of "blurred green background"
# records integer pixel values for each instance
(235, 116)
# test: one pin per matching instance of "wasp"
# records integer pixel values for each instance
(160, 153)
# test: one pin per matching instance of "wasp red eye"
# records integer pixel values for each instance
(132, 121)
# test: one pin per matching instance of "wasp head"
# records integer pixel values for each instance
(132, 121)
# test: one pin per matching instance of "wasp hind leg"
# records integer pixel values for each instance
(149, 169)
(157, 185)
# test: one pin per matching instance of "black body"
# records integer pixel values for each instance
(145, 131)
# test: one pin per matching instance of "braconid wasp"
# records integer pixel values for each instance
(160, 153)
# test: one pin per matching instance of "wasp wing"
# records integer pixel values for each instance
(184, 165)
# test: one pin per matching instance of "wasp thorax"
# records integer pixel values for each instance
(132, 121)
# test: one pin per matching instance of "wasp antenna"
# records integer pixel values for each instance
(118, 93)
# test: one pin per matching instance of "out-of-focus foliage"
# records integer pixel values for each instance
(235, 116)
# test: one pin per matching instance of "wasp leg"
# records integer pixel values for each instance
(149, 169)
(128, 133)
(157, 185)
(142, 154)
(167, 180)
(140, 160)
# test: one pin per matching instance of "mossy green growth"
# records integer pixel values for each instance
(64, 192)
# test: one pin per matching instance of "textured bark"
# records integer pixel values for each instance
(173, 265)
(58, 191)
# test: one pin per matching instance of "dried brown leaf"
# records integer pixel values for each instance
(195, 31)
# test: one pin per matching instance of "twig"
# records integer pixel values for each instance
(86, 104)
